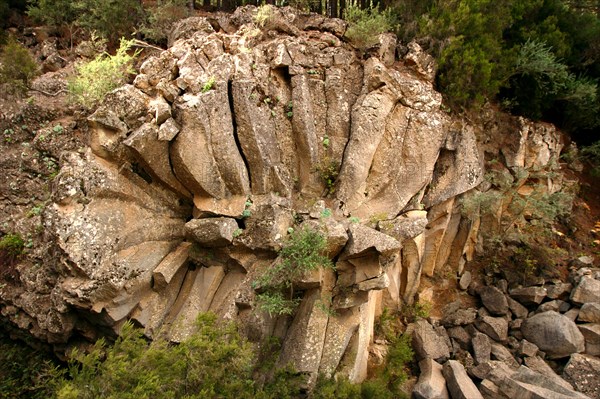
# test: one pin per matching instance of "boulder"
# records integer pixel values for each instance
(211, 232)
(582, 371)
(427, 343)
(591, 334)
(526, 348)
(458, 382)
(559, 291)
(553, 333)
(538, 364)
(529, 295)
(501, 353)
(494, 300)
(518, 310)
(465, 280)
(495, 327)
(589, 312)
(405, 226)
(431, 383)
(363, 239)
(461, 317)
(588, 290)
(482, 348)
(526, 383)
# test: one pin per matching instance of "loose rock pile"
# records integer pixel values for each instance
(525, 342)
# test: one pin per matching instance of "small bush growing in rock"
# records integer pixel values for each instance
(17, 66)
(103, 74)
(11, 249)
(365, 25)
(302, 253)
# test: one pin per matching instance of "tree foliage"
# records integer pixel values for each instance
(17, 66)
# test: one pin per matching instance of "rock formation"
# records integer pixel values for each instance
(236, 134)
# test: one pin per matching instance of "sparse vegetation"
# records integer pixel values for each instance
(209, 85)
(365, 25)
(95, 79)
(302, 253)
(12, 247)
(17, 67)
(262, 15)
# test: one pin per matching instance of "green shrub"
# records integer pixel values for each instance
(12, 247)
(17, 66)
(161, 17)
(54, 13)
(25, 373)
(95, 79)
(111, 19)
(365, 25)
(302, 253)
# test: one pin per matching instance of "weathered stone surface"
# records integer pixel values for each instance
(482, 348)
(494, 327)
(168, 130)
(460, 317)
(489, 390)
(525, 383)
(431, 383)
(423, 63)
(588, 290)
(494, 300)
(559, 290)
(518, 310)
(427, 343)
(186, 28)
(583, 371)
(528, 349)
(529, 295)
(591, 334)
(459, 384)
(211, 232)
(408, 225)
(553, 333)
(364, 239)
(500, 352)
(169, 266)
(589, 312)
(461, 336)
(538, 364)
(465, 280)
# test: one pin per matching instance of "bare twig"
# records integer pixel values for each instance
(49, 94)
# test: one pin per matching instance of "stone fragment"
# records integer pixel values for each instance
(405, 226)
(591, 334)
(529, 295)
(589, 312)
(559, 291)
(501, 353)
(572, 313)
(460, 318)
(494, 300)
(460, 336)
(431, 383)
(553, 333)
(527, 348)
(588, 290)
(518, 310)
(538, 364)
(482, 348)
(465, 280)
(168, 130)
(169, 266)
(211, 232)
(495, 327)
(363, 239)
(159, 109)
(526, 383)
(427, 343)
(582, 371)
(489, 390)
(459, 384)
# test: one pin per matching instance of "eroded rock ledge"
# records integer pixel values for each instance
(196, 172)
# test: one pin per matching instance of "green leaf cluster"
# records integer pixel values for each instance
(366, 24)
(215, 362)
(105, 73)
(17, 66)
(303, 252)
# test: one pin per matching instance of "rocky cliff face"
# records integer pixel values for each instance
(196, 172)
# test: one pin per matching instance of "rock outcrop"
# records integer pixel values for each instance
(236, 136)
